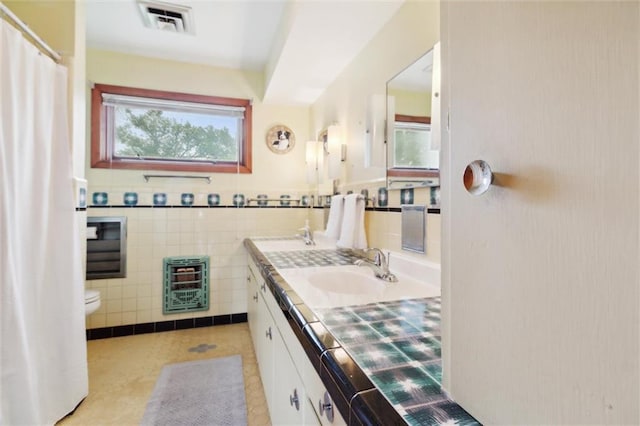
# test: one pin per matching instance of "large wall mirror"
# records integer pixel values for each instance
(413, 118)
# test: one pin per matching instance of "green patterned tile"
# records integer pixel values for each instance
(444, 412)
(355, 334)
(424, 326)
(309, 258)
(419, 348)
(434, 369)
(393, 328)
(398, 345)
(374, 312)
(378, 356)
(337, 317)
(407, 386)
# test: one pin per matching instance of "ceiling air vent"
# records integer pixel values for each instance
(166, 16)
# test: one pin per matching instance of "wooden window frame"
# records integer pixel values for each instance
(102, 148)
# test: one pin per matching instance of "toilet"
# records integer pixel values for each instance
(91, 301)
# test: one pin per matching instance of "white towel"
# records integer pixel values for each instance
(352, 233)
(334, 223)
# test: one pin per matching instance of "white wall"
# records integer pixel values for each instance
(541, 294)
(155, 233)
(61, 24)
(285, 172)
(410, 33)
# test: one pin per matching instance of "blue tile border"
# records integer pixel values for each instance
(285, 200)
(213, 199)
(406, 196)
(178, 206)
(82, 197)
(227, 206)
(187, 199)
(262, 200)
(238, 200)
(100, 198)
(130, 198)
(383, 197)
(160, 199)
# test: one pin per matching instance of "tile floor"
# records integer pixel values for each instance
(123, 372)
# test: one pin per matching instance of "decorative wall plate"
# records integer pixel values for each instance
(280, 139)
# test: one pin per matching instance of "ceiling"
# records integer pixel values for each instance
(300, 45)
(417, 77)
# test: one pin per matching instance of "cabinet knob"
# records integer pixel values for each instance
(268, 333)
(293, 400)
(264, 286)
(325, 407)
(255, 297)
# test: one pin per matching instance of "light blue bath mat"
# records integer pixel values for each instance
(208, 392)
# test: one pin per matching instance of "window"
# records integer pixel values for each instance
(412, 147)
(412, 155)
(156, 130)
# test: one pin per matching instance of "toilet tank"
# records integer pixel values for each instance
(106, 247)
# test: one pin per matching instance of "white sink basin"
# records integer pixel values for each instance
(346, 282)
(332, 286)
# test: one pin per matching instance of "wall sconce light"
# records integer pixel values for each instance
(314, 158)
(337, 152)
(374, 148)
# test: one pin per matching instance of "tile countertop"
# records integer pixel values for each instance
(377, 353)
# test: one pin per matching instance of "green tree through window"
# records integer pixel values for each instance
(152, 134)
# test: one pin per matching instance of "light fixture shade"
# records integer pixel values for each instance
(374, 149)
(435, 100)
(391, 130)
(314, 159)
(334, 138)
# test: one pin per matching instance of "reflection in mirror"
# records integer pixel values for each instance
(412, 107)
(412, 144)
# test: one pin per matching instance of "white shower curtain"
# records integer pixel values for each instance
(43, 364)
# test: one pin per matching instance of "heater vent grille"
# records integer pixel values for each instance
(186, 284)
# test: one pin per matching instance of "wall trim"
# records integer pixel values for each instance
(160, 326)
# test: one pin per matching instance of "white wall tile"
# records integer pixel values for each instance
(129, 305)
(143, 316)
(113, 319)
(160, 232)
(112, 293)
(129, 317)
(219, 233)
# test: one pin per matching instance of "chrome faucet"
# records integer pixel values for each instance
(379, 264)
(307, 236)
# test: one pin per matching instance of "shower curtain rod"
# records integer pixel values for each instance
(5, 11)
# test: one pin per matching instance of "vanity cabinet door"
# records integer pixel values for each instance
(265, 331)
(289, 397)
(252, 306)
(317, 395)
(285, 370)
